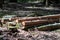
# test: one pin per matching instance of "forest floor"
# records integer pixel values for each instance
(30, 35)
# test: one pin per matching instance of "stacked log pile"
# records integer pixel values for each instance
(35, 21)
(31, 21)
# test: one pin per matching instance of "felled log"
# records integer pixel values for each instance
(57, 16)
(37, 22)
(28, 19)
(49, 27)
(33, 23)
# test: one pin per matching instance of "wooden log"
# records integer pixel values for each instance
(57, 16)
(37, 22)
(33, 23)
(29, 19)
(49, 27)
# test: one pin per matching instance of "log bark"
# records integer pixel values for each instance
(29, 19)
(37, 22)
(57, 16)
(49, 28)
